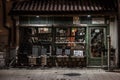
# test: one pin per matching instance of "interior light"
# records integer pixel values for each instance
(37, 16)
(88, 15)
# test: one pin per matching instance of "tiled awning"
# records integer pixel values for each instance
(63, 7)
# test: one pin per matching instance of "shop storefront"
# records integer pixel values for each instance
(63, 33)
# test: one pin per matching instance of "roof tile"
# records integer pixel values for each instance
(64, 5)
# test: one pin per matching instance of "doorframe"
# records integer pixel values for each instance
(107, 31)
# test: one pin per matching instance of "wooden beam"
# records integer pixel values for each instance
(4, 19)
(119, 32)
(14, 30)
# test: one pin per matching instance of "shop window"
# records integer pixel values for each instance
(34, 20)
(63, 20)
(97, 42)
(85, 20)
(24, 20)
(70, 41)
(39, 38)
(38, 20)
(45, 20)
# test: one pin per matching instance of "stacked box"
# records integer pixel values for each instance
(67, 51)
(44, 60)
(59, 51)
(36, 51)
(32, 60)
(2, 60)
(43, 51)
(1, 57)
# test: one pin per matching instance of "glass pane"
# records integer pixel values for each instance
(44, 30)
(97, 41)
(85, 20)
(62, 39)
(34, 20)
(79, 34)
(62, 31)
(70, 41)
(63, 20)
(23, 20)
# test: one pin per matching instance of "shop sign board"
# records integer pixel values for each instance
(98, 21)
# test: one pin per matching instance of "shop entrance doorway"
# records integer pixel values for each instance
(97, 55)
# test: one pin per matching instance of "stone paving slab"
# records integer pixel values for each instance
(58, 74)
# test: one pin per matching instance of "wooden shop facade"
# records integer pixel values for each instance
(64, 33)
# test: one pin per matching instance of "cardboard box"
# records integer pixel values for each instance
(44, 60)
(32, 60)
(2, 62)
(59, 51)
(1, 56)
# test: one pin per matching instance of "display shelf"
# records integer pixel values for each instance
(69, 42)
(74, 38)
(40, 39)
(56, 40)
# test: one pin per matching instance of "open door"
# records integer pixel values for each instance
(97, 43)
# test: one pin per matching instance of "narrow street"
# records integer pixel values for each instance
(58, 74)
(59, 39)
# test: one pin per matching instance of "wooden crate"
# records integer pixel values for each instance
(2, 62)
(32, 60)
(43, 60)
